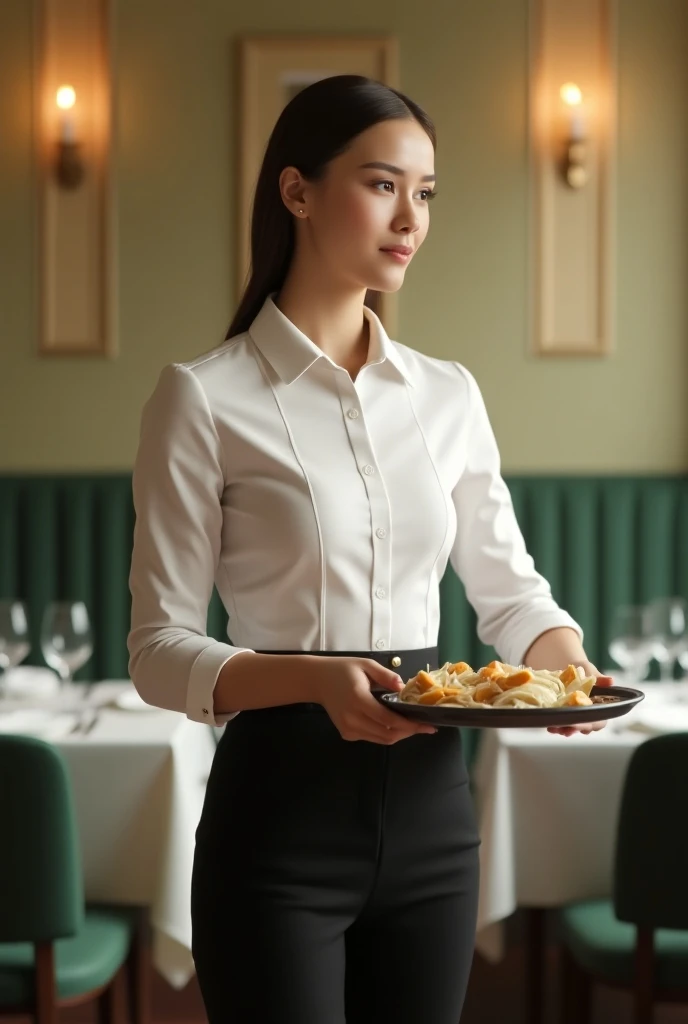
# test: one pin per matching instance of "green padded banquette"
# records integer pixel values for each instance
(600, 541)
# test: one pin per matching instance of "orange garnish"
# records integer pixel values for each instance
(425, 681)
(431, 696)
(568, 675)
(459, 666)
(577, 699)
(516, 679)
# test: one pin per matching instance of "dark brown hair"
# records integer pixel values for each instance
(316, 126)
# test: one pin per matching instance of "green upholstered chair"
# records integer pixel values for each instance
(639, 939)
(54, 951)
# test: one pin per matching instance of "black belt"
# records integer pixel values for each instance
(406, 663)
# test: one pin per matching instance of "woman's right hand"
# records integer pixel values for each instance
(343, 689)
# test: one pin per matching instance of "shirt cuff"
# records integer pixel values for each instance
(204, 672)
(516, 646)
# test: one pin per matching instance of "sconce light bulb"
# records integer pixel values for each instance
(571, 94)
(65, 97)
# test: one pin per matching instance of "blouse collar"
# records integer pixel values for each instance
(290, 352)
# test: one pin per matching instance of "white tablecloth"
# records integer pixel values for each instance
(139, 780)
(548, 808)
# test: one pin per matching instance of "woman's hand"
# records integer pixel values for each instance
(569, 730)
(343, 689)
(555, 649)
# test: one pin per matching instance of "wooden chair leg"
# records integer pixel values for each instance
(535, 965)
(644, 977)
(111, 1001)
(576, 991)
(138, 967)
(46, 996)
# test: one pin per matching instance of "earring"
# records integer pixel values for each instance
(300, 211)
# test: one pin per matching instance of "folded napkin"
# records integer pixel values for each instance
(37, 722)
(29, 681)
(656, 719)
(129, 700)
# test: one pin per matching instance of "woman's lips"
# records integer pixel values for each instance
(401, 253)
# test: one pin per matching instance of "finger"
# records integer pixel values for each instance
(403, 727)
(372, 736)
(382, 676)
(376, 713)
(377, 716)
(604, 681)
(363, 731)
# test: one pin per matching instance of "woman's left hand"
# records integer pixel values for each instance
(602, 680)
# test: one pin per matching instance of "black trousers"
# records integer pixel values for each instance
(334, 881)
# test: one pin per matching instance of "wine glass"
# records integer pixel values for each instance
(14, 635)
(66, 638)
(630, 644)
(666, 621)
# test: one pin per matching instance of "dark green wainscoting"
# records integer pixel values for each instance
(600, 541)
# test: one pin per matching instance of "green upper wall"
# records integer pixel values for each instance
(466, 296)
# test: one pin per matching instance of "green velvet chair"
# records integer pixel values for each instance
(638, 939)
(54, 951)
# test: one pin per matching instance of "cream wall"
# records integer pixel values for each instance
(466, 297)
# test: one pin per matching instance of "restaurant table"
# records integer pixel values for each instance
(548, 807)
(138, 778)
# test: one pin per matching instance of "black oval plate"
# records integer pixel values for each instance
(507, 718)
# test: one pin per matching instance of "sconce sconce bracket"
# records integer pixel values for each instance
(575, 170)
(69, 166)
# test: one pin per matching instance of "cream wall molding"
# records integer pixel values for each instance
(76, 215)
(572, 221)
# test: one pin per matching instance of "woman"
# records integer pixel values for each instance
(322, 476)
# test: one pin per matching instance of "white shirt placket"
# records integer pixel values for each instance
(380, 515)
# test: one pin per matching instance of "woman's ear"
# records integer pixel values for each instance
(292, 190)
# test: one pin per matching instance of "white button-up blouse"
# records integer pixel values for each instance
(324, 509)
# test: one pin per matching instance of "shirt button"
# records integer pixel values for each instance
(352, 414)
(381, 592)
(381, 532)
(380, 643)
(369, 470)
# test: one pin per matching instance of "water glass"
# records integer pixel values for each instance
(14, 635)
(667, 625)
(66, 638)
(631, 646)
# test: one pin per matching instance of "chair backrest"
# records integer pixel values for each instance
(651, 869)
(41, 889)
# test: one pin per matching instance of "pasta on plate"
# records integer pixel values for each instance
(499, 685)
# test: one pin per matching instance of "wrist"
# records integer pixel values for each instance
(555, 649)
(311, 675)
(250, 680)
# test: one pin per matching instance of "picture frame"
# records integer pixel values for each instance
(271, 70)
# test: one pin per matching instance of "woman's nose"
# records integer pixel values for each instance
(406, 219)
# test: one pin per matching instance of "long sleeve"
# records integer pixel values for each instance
(178, 481)
(512, 601)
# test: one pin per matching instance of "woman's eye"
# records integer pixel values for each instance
(425, 194)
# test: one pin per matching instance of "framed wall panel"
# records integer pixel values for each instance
(272, 69)
(572, 229)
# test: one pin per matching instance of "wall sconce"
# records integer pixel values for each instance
(575, 152)
(75, 188)
(69, 168)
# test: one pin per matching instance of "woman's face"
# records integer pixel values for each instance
(372, 197)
